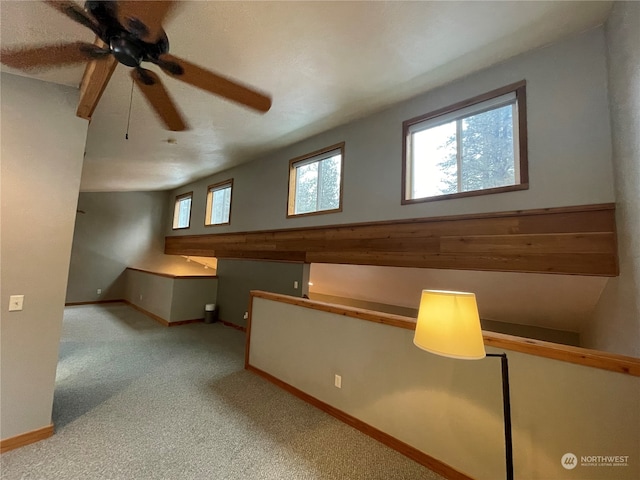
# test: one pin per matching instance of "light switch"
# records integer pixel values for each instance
(15, 303)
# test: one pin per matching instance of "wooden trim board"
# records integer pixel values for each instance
(161, 320)
(565, 353)
(27, 438)
(185, 322)
(211, 189)
(232, 325)
(413, 453)
(155, 317)
(170, 275)
(92, 302)
(569, 240)
(518, 89)
(313, 157)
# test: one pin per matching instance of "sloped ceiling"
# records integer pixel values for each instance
(324, 63)
(559, 302)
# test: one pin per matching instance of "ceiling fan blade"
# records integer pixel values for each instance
(216, 84)
(51, 55)
(158, 98)
(104, 12)
(75, 13)
(145, 19)
(94, 81)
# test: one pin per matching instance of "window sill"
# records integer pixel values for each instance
(473, 193)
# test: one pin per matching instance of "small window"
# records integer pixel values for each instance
(182, 211)
(315, 182)
(219, 203)
(475, 147)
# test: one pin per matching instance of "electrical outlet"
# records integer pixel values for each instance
(99, 291)
(295, 284)
(338, 381)
(140, 297)
(15, 303)
(246, 315)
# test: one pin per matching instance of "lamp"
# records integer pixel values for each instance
(449, 325)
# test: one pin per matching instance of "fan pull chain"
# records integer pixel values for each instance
(126, 135)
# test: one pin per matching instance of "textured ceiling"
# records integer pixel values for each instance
(323, 63)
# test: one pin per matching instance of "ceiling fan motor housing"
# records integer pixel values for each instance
(133, 33)
(126, 51)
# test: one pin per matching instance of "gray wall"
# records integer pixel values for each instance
(153, 293)
(556, 302)
(239, 277)
(570, 161)
(569, 149)
(452, 409)
(616, 325)
(172, 299)
(365, 304)
(190, 295)
(527, 331)
(42, 150)
(119, 230)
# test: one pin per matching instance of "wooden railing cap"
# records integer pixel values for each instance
(565, 353)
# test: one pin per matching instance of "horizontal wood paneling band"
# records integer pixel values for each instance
(170, 275)
(545, 243)
(413, 453)
(23, 439)
(555, 351)
(569, 240)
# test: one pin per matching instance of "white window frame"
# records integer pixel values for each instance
(314, 157)
(211, 189)
(176, 210)
(514, 94)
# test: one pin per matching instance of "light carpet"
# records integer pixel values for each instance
(136, 400)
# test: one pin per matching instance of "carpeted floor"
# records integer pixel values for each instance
(136, 400)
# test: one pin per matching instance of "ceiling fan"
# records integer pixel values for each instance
(130, 32)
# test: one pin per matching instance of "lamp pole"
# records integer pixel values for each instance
(506, 402)
(448, 324)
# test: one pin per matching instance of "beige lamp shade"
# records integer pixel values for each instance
(449, 325)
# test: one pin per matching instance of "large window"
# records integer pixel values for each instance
(219, 203)
(475, 147)
(182, 211)
(315, 182)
